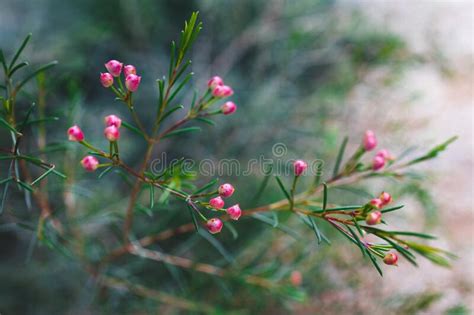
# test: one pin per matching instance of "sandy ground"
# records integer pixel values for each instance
(443, 107)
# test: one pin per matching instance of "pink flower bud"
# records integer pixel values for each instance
(228, 108)
(75, 133)
(112, 120)
(374, 218)
(234, 212)
(296, 278)
(129, 69)
(385, 198)
(376, 203)
(300, 166)
(214, 225)
(390, 259)
(132, 81)
(114, 67)
(89, 163)
(226, 190)
(370, 142)
(378, 162)
(106, 79)
(385, 154)
(215, 81)
(217, 203)
(222, 91)
(112, 133)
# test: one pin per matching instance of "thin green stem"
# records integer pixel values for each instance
(292, 193)
(89, 146)
(116, 149)
(119, 80)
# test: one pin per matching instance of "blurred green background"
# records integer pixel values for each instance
(296, 68)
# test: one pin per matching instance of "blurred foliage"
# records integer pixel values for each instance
(292, 65)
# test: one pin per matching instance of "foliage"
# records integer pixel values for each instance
(114, 248)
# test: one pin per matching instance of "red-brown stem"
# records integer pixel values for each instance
(134, 194)
(172, 128)
(151, 142)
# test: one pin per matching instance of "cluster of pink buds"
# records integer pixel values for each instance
(114, 68)
(111, 133)
(375, 217)
(299, 167)
(112, 125)
(380, 159)
(215, 225)
(89, 163)
(220, 90)
(369, 143)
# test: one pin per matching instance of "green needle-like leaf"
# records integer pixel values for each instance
(37, 121)
(193, 216)
(391, 209)
(133, 129)
(434, 152)
(374, 262)
(432, 253)
(42, 176)
(356, 224)
(3, 62)
(35, 73)
(206, 187)
(340, 155)
(325, 196)
(182, 131)
(5, 124)
(27, 117)
(281, 227)
(282, 187)
(172, 59)
(25, 185)
(105, 171)
(3, 181)
(275, 218)
(422, 235)
(232, 230)
(18, 52)
(206, 120)
(152, 196)
(18, 67)
(405, 253)
(180, 86)
(171, 111)
(217, 245)
(264, 183)
(316, 230)
(358, 241)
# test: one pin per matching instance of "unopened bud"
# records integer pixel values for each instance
(214, 225)
(234, 212)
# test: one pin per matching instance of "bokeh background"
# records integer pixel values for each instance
(306, 73)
